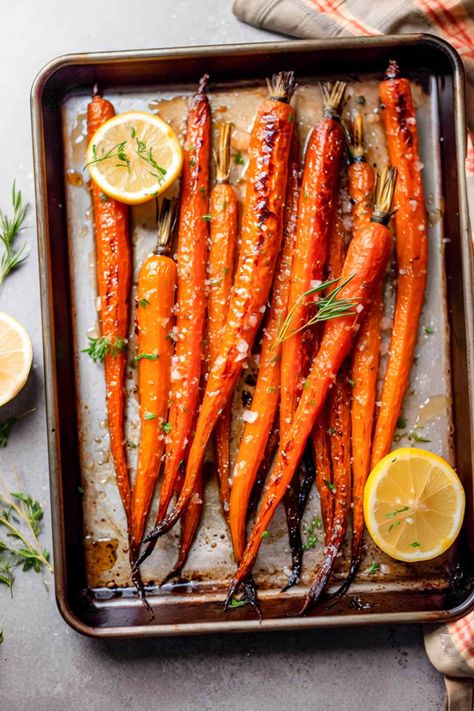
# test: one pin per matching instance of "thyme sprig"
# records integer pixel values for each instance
(146, 153)
(21, 518)
(100, 347)
(117, 151)
(7, 424)
(327, 308)
(9, 228)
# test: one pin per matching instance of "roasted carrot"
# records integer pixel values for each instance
(223, 242)
(191, 300)
(114, 267)
(315, 209)
(364, 266)
(412, 252)
(322, 462)
(365, 356)
(223, 238)
(155, 299)
(339, 424)
(267, 390)
(261, 236)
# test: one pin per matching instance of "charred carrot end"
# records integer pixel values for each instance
(262, 224)
(114, 266)
(155, 302)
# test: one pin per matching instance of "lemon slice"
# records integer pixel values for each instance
(413, 505)
(16, 355)
(134, 156)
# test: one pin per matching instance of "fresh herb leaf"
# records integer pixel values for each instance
(132, 445)
(208, 217)
(417, 437)
(103, 197)
(238, 160)
(393, 525)
(265, 534)
(392, 514)
(116, 152)
(5, 428)
(146, 356)
(146, 153)
(21, 518)
(166, 427)
(98, 348)
(401, 423)
(331, 431)
(415, 544)
(326, 308)
(311, 529)
(144, 303)
(373, 568)
(330, 486)
(428, 330)
(238, 603)
(9, 228)
(351, 382)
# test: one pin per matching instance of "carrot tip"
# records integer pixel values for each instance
(203, 82)
(393, 70)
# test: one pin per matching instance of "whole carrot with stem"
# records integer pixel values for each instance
(364, 266)
(339, 426)
(114, 268)
(191, 300)
(317, 199)
(223, 243)
(220, 272)
(155, 303)
(365, 356)
(261, 415)
(261, 235)
(412, 252)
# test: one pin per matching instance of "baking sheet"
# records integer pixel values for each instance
(427, 405)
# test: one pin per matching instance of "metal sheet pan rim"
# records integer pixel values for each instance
(48, 323)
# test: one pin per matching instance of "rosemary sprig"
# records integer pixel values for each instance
(100, 347)
(117, 151)
(9, 228)
(327, 308)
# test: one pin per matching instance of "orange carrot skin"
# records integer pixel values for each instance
(114, 267)
(337, 407)
(316, 206)
(267, 390)
(365, 363)
(260, 243)
(412, 256)
(223, 242)
(191, 300)
(155, 295)
(365, 262)
(322, 462)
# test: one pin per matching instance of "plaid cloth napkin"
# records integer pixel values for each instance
(450, 647)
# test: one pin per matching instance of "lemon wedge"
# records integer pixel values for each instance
(134, 157)
(413, 505)
(16, 355)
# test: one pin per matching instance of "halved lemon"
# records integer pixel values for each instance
(413, 505)
(134, 156)
(16, 355)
